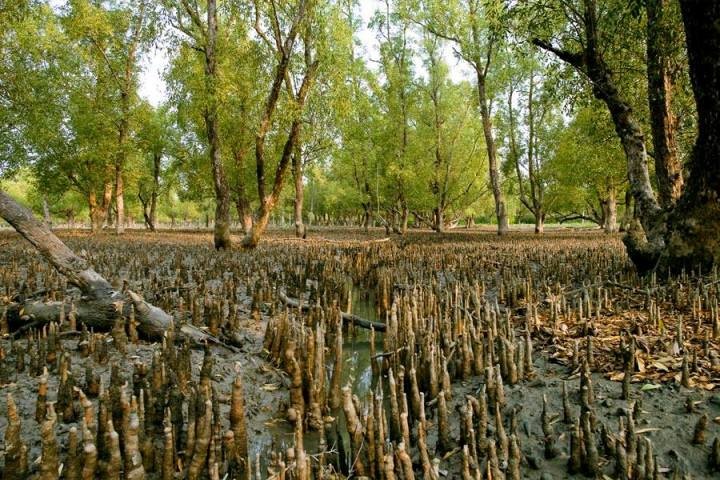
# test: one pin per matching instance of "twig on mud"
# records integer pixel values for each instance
(347, 317)
(389, 354)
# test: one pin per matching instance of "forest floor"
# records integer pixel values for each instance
(565, 269)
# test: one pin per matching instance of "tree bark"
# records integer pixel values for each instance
(244, 213)
(365, 218)
(155, 192)
(119, 163)
(299, 193)
(267, 203)
(668, 168)
(221, 233)
(438, 220)
(693, 226)
(98, 212)
(404, 214)
(609, 208)
(500, 210)
(539, 222)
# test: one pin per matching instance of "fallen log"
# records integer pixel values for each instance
(99, 303)
(347, 317)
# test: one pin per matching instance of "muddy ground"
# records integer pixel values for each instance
(663, 416)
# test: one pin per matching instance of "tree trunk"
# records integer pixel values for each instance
(252, 238)
(119, 183)
(438, 220)
(46, 212)
(404, 214)
(244, 213)
(693, 226)
(146, 212)
(365, 218)
(267, 203)
(609, 208)
(221, 233)
(500, 211)
(539, 222)
(75, 269)
(668, 169)
(99, 212)
(155, 191)
(299, 193)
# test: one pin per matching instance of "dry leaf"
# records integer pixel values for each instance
(660, 366)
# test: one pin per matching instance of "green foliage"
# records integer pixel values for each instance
(390, 130)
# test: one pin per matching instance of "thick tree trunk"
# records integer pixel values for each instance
(693, 227)
(221, 234)
(299, 194)
(608, 204)
(668, 169)
(244, 213)
(539, 222)
(365, 217)
(438, 220)
(500, 210)
(99, 212)
(252, 238)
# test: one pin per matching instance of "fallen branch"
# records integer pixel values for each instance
(347, 317)
(100, 303)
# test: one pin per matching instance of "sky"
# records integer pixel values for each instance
(154, 89)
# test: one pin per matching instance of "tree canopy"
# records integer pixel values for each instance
(394, 113)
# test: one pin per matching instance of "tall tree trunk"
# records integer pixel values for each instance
(500, 210)
(155, 191)
(221, 233)
(119, 200)
(123, 130)
(668, 169)
(268, 202)
(693, 227)
(299, 193)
